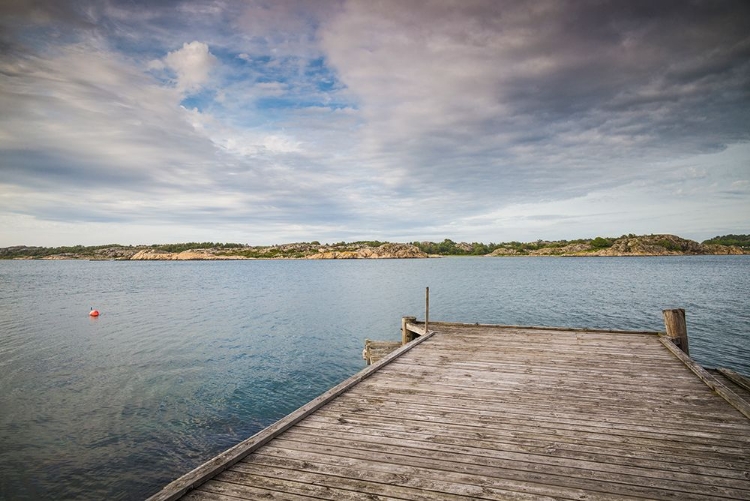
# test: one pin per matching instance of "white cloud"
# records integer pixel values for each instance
(249, 144)
(192, 64)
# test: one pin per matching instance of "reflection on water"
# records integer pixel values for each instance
(187, 358)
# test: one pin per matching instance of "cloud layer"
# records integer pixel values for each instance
(264, 122)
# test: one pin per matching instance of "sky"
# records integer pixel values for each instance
(267, 122)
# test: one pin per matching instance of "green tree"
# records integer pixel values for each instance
(601, 243)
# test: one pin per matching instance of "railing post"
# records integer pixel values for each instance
(674, 322)
(426, 309)
(366, 351)
(406, 334)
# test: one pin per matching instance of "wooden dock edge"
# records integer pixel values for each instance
(734, 377)
(726, 393)
(226, 459)
(418, 328)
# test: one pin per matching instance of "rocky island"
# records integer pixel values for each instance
(209, 251)
(626, 245)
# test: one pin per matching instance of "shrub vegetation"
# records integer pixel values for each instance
(742, 241)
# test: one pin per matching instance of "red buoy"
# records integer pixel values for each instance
(94, 313)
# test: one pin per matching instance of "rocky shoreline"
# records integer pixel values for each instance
(645, 245)
(287, 251)
(385, 251)
(630, 245)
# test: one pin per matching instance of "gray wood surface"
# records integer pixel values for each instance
(489, 412)
(375, 350)
(736, 378)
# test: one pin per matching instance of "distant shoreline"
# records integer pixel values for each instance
(627, 245)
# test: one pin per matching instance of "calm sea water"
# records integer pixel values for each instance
(189, 358)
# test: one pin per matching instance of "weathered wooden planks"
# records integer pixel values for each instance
(713, 383)
(375, 350)
(488, 412)
(737, 379)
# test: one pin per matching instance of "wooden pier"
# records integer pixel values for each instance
(497, 412)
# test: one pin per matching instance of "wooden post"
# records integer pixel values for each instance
(366, 351)
(426, 309)
(406, 334)
(674, 322)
